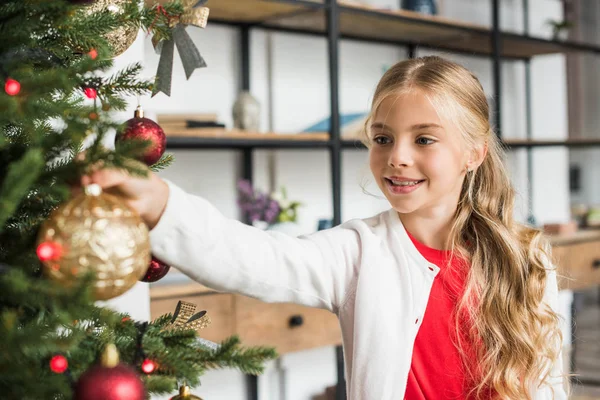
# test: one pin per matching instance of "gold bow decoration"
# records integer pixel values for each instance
(193, 14)
(185, 317)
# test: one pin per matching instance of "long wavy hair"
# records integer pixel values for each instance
(501, 317)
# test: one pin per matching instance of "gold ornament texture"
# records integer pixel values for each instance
(97, 232)
(184, 394)
(121, 38)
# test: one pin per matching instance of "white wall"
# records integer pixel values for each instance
(299, 97)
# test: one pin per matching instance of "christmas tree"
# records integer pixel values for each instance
(60, 253)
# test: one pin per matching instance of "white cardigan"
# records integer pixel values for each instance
(366, 271)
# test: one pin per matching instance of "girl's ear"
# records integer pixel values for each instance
(477, 156)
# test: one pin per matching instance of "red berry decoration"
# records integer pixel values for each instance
(12, 87)
(156, 271)
(90, 93)
(141, 128)
(58, 364)
(110, 380)
(148, 366)
(49, 251)
(93, 53)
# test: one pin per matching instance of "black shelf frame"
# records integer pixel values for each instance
(336, 145)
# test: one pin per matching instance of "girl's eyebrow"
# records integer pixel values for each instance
(380, 125)
(416, 127)
(419, 127)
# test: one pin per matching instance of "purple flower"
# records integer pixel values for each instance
(245, 187)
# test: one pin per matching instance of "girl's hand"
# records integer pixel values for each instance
(147, 195)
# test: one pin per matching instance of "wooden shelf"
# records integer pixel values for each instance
(160, 291)
(258, 11)
(362, 22)
(581, 236)
(221, 138)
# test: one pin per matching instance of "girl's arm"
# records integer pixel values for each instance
(227, 255)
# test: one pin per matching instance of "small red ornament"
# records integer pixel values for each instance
(12, 87)
(110, 380)
(93, 53)
(90, 93)
(49, 251)
(58, 364)
(148, 366)
(145, 129)
(156, 271)
(93, 116)
(125, 319)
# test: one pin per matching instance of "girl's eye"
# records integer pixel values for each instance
(381, 140)
(424, 141)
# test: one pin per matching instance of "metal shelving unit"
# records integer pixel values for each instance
(336, 20)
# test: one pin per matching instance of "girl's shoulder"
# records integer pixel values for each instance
(376, 228)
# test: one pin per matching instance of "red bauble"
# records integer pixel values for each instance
(148, 366)
(157, 270)
(145, 129)
(90, 93)
(49, 251)
(93, 53)
(105, 383)
(58, 364)
(12, 87)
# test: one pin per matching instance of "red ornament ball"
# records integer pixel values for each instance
(105, 383)
(12, 87)
(148, 366)
(58, 364)
(49, 251)
(156, 271)
(142, 128)
(90, 93)
(93, 53)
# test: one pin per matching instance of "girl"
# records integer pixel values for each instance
(444, 296)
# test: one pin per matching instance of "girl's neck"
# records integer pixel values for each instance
(431, 229)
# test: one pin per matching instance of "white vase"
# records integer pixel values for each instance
(246, 113)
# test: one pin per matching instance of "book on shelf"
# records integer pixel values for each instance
(351, 125)
(172, 123)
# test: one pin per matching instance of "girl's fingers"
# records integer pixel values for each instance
(105, 178)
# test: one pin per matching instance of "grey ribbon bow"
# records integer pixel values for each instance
(188, 52)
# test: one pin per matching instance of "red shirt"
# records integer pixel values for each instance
(436, 371)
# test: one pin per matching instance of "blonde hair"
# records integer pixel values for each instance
(516, 337)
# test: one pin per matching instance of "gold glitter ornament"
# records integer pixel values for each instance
(184, 394)
(121, 38)
(97, 232)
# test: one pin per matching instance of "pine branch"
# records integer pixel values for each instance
(165, 161)
(21, 174)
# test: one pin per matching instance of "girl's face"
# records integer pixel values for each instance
(417, 159)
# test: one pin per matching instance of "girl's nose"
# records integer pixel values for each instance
(400, 156)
